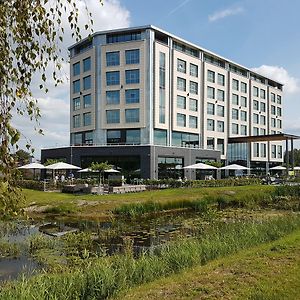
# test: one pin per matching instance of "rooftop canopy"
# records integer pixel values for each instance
(263, 138)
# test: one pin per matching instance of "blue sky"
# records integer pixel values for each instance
(257, 34)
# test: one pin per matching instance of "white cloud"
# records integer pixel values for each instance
(291, 84)
(55, 106)
(225, 13)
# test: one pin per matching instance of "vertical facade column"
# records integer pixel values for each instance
(292, 155)
(287, 156)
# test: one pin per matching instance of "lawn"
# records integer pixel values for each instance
(95, 206)
(269, 271)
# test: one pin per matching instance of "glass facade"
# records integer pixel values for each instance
(170, 167)
(132, 76)
(76, 103)
(76, 69)
(112, 97)
(182, 139)
(87, 119)
(87, 83)
(124, 136)
(181, 120)
(181, 102)
(87, 101)
(76, 86)
(133, 136)
(160, 137)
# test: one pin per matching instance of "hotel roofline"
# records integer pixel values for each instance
(120, 30)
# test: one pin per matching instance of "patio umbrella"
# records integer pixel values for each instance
(86, 170)
(278, 168)
(200, 166)
(111, 171)
(62, 166)
(33, 166)
(234, 167)
(297, 168)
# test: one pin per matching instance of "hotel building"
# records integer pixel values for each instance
(151, 103)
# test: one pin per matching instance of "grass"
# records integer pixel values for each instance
(96, 206)
(102, 278)
(269, 271)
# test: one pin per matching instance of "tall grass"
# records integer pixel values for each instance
(106, 276)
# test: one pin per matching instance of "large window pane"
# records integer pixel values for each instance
(210, 109)
(193, 87)
(181, 65)
(87, 119)
(87, 83)
(193, 122)
(193, 105)
(132, 56)
(76, 86)
(210, 76)
(210, 92)
(193, 70)
(132, 96)
(87, 101)
(113, 97)
(132, 115)
(181, 84)
(133, 136)
(76, 121)
(113, 58)
(181, 120)
(113, 116)
(76, 103)
(132, 76)
(181, 102)
(210, 125)
(76, 69)
(113, 78)
(87, 64)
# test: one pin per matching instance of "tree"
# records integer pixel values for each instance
(100, 167)
(296, 157)
(31, 33)
(22, 157)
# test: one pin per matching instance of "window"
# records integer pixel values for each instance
(113, 78)
(162, 87)
(76, 121)
(210, 76)
(220, 110)
(132, 115)
(262, 120)
(193, 70)
(87, 64)
(113, 58)
(255, 131)
(210, 109)
(243, 130)
(113, 136)
(235, 114)
(243, 87)
(272, 97)
(279, 112)
(77, 138)
(181, 84)
(210, 143)
(263, 150)
(133, 136)
(262, 106)
(255, 105)
(243, 101)
(262, 131)
(132, 56)
(279, 151)
(220, 126)
(87, 119)
(88, 137)
(132, 76)
(273, 110)
(181, 102)
(76, 103)
(123, 37)
(181, 120)
(76, 69)
(210, 92)
(235, 99)
(220, 95)
(181, 65)
(273, 122)
(112, 97)
(256, 149)
(132, 96)
(210, 125)
(87, 83)
(235, 84)
(262, 94)
(279, 124)
(193, 87)
(160, 137)
(243, 115)
(220, 146)
(113, 116)
(87, 101)
(193, 105)
(278, 99)
(235, 128)
(76, 86)
(255, 119)
(255, 91)
(273, 151)
(193, 122)
(221, 79)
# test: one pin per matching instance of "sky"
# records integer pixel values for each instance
(261, 35)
